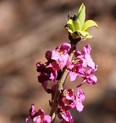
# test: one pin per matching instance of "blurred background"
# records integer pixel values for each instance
(30, 27)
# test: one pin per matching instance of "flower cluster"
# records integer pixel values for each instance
(63, 61)
(81, 65)
(37, 116)
(56, 61)
(68, 100)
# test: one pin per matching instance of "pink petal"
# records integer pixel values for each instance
(79, 106)
(72, 75)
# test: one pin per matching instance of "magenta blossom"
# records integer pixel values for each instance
(37, 117)
(89, 77)
(79, 99)
(67, 99)
(45, 73)
(61, 55)
(85, 56)
(31, 113)
(65, 116)
(75, 70)
(82, 66)
(69, 94)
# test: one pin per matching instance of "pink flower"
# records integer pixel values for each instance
(47, 72)
(69, 94)
(86, 53)
(56, 61)
(79, 100)
(65, 47)
(75, 70)
(67, 99)
(82, 66)
(89, 77)
(37, 117)
(85, 56)
(31, 113)
(61, 55)
(65, 116)
(41, 117)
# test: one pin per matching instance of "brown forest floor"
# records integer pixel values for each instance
(29, 28)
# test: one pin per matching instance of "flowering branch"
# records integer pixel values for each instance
(60, 86)
(63, 61)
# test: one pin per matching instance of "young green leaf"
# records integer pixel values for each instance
(84, 34)
(88, 24)
(81, 15)
(76, 25)
(70, 26)
(89, 36)
(73, 25)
